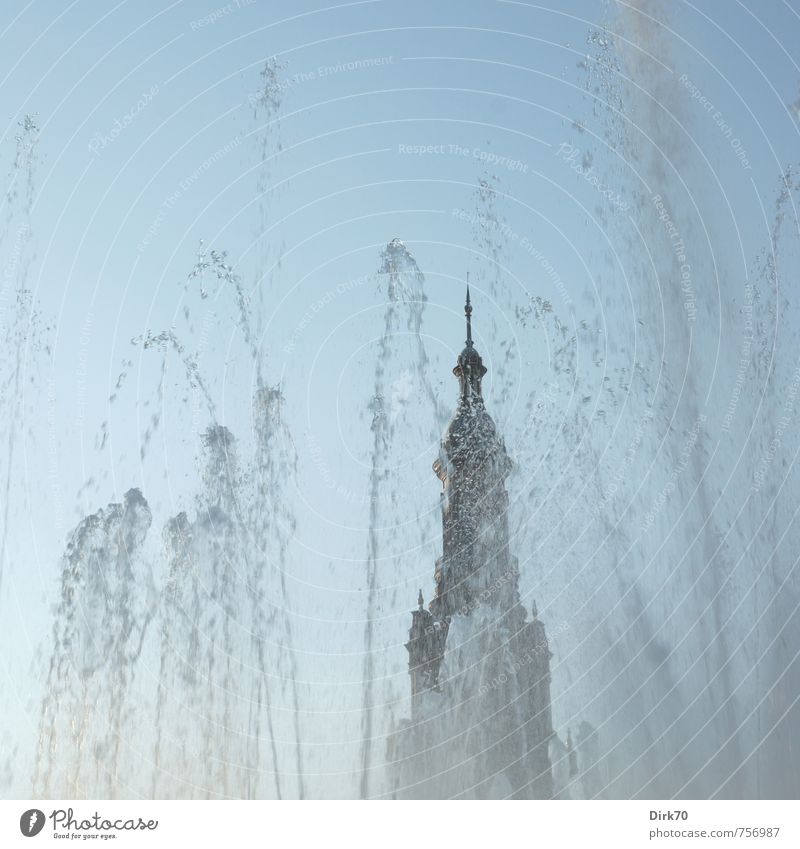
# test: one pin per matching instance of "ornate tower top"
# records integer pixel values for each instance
(475, 629)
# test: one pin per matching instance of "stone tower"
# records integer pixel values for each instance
(480, 723)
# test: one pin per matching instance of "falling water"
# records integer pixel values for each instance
(21, 331)
(666, 559)
(406, 419)
(267, 103)
(649, 500)
(223, 640)
(101, 621)
(223, 645)
(217, 656)
(274, 524)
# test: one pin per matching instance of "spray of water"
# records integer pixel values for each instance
(100, 626)
(406, 418)
(649, 503)
(21, 329)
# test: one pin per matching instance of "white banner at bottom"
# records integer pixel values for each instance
(619, 824)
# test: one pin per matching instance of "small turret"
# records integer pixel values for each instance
(426, 641)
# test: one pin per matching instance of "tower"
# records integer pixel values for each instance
(476, 567)
(480, 721)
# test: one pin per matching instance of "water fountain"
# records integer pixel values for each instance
(650, 504)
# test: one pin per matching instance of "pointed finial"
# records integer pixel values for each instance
(468, 314)
(421, 600)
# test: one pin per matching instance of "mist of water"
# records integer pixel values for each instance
(650, 505)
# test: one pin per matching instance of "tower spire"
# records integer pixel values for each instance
(469, 368)
(468, 314)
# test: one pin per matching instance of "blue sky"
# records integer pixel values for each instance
(494, 77)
